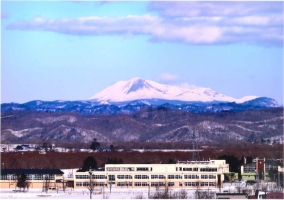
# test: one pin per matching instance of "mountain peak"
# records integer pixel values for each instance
(136, 84)
(137, 89)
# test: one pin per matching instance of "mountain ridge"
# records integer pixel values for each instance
(148, 124)
(96, 107)
(137, 88)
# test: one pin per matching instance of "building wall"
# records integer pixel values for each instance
(203, 174)
(257, 170)
(32, 183)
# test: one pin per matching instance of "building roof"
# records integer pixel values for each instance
(31, 171)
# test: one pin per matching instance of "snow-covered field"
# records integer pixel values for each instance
(116, 193)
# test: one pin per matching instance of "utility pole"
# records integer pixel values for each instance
(195, 153)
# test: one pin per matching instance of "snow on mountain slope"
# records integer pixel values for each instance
(137, 88)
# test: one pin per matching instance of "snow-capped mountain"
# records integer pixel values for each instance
(136, 88)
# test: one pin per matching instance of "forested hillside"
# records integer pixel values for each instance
(146, 125)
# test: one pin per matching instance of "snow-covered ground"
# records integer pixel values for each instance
(116, 193)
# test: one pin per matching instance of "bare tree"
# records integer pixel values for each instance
(91, 184)
(46, 184)
(203, 194)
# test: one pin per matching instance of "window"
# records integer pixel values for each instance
(208, 184)
(208, 169)
(170, 184)
(212, 176)
(178, 177)
(140, 184)
(191, 176)
(249, 168)
(171, 176)
(99, 177)
(142, 169)
(145, 177)
(191, 184)
(82, 177)
(124, 177)
(113, 169)
(86, 184)
(141, 177)
(9, 177)
(111, 177)
(195, 169)
(212, 184)
(204, 184)
(174, 177)
(128, 177)
(144, 184)
(162, 177)
(79, 184)
(98, 183)
(43, 177)
(187, 169)
(204, 176)
(127, 169)
(156, 184)
(124, 184)
(137, 184)
(154, 176)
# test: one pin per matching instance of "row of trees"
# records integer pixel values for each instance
(28, 160)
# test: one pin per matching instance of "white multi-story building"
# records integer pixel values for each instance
(185, 174)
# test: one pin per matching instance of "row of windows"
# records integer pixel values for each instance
(93, 177)
(158, 177)
(174, 177)
(208, 176)
(140, 184)
(8, 177)
(124, 176)
(124, 183)
(143, 169)
(191, 184)
(208, 184)
(85, 184)
(113, 169)
(202, 169)
(157, 184)
(152, 184)
(189, 169)
(128, 169)
(30, 177)
(82, 177)
(112, 177)
(208, 169)
(191, 176)
(141, 177)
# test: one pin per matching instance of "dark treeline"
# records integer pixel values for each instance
(51, 159)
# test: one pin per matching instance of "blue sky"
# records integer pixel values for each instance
(57, 50)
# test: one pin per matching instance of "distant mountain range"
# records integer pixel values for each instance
(135, 94)
(139, 110)
(94, 107)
